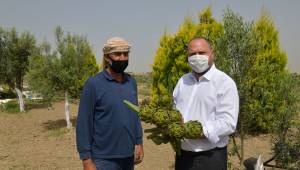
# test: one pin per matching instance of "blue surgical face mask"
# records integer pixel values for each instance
(198, 63)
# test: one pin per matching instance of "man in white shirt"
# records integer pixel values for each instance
(210, 97)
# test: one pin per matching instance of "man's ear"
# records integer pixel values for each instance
(106, 58)
(211, 57)
(212, 52)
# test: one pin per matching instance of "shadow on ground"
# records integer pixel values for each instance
(57, 124)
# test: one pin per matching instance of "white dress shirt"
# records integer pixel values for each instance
(214, 102)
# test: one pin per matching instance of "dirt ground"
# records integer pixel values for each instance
(38, 139)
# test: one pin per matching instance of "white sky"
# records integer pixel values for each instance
(141, 22)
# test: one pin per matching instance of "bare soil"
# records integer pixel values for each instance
(38, 139)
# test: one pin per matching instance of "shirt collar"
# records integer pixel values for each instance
(110, 78)
(208, 75)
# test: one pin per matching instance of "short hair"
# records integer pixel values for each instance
(200, 38)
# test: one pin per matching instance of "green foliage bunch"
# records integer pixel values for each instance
(286, 134)
(168, 125)
(10, 107)
(76, 62)
(15, 51)
(269, 64)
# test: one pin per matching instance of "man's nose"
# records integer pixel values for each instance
(123, 55)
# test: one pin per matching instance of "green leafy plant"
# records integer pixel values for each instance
(168, 126)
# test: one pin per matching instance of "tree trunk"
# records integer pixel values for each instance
(67, 110)
(21, 100)
(19, 84)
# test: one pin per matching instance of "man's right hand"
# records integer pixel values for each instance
(88, 164)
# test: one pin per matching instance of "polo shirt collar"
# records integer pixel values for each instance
(110, 78)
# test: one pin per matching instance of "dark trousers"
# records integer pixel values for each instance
(115, 164)
(214, 159)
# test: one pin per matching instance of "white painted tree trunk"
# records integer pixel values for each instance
(67, 111)
(21, 100)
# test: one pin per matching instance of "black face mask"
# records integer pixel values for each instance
(119, 66)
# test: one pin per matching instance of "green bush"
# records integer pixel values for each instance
(7, 94)
(287, 124)
(14, 107)
(34, 104)
(11, 107)
(144, 82)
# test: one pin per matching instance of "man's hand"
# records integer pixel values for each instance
(88, 164)
(138, 154)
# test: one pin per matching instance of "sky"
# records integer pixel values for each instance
(142, 22)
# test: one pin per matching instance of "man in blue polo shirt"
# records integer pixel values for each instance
(109, 134)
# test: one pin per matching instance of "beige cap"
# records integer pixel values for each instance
(116, 44)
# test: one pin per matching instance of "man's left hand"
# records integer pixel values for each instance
(138, 154)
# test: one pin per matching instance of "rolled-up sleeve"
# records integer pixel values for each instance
(84, 127)
(225, 120)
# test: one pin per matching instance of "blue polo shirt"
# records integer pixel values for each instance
(106, 127)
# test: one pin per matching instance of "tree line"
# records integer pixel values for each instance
(48, 71)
